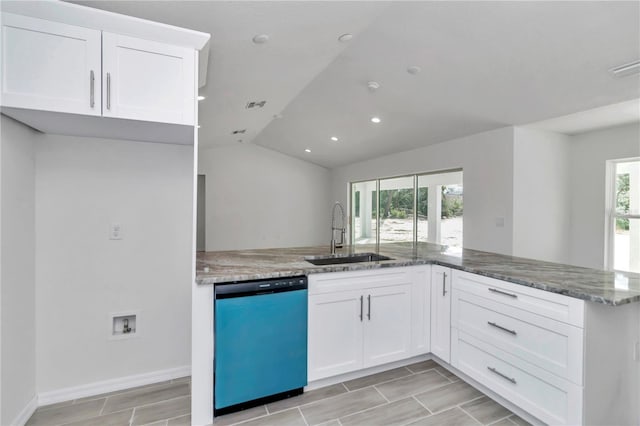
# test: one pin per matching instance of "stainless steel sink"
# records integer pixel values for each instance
(341, 258)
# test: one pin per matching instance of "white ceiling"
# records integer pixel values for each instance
(484, 65)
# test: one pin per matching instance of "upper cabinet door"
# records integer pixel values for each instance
(50, 66)
(148, 81)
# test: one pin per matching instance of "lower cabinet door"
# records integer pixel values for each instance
(387, 324)
(441, 312)
(335, 333)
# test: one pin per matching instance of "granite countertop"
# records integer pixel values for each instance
(610, 288)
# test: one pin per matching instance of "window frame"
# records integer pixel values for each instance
(610, 211)
(415, 177)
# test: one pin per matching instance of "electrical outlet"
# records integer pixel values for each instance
(115, 231)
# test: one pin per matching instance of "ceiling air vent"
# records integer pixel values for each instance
(239, 132)
(255, 104)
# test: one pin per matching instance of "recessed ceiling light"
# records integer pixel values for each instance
(375, 120)
(202, 98)
(307, 150)
(373, 86)
(345, 37)
(413, 70)
(261, 39)
(333, 138)
(626, 69)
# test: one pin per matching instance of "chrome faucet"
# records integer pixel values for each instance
(343, 229)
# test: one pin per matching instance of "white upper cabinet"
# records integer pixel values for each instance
(71, 70)
(50, 66)
(148, 81)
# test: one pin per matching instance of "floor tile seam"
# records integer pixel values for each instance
(384, 381)
(133, 415)
(423, 390)
(362, 411)
(302, 415)
(120, 392)
(345, 386)
(469, 414)
(177, 417)
(442, 374)
(509, 418)
(459, 405)
(424, 406)
(52, 406)
(254, 418)
(503, 418)
(320, 400)
(153, 403)
(104, 404)
(381, 394)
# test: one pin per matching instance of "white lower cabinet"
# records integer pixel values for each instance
(364, 318)
(524, 344)
(441, 312)
(560, 359)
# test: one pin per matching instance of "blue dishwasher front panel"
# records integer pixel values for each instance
(260, 346)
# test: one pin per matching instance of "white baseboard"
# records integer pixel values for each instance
(111, 385)
(26, 412)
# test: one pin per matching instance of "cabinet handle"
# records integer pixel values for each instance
(108, 90)
(361, 307)
(504, 376)
(493, 324)
(369, 302)
(444, 283)
(495, 290)
(92, 87)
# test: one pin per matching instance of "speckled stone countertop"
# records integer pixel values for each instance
(611, 288)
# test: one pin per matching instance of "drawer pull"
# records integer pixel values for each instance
(444, 284)
(493, 324)
(504, 376)
(495, 290)
(361, 306)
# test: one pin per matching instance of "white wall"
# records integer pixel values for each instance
(83, 185)
(259, 198)
(541, 205)
(17, 277)
(487, 163)
(588, 155)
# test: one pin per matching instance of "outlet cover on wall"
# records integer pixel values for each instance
(124, 325)
(115, 231)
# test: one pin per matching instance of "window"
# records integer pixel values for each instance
(425, 207)
(396, 209)
(623, 221)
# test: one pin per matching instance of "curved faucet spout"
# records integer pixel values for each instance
(343, 229)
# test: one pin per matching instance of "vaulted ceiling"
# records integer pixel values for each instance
(483, 65)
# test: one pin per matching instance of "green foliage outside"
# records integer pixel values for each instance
(398, 203)
(622, 200)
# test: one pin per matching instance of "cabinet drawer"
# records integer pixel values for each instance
(546, 343)
(544, 395)
(540, 302)
(357, 280)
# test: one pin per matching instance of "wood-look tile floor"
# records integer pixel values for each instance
(419, 394)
